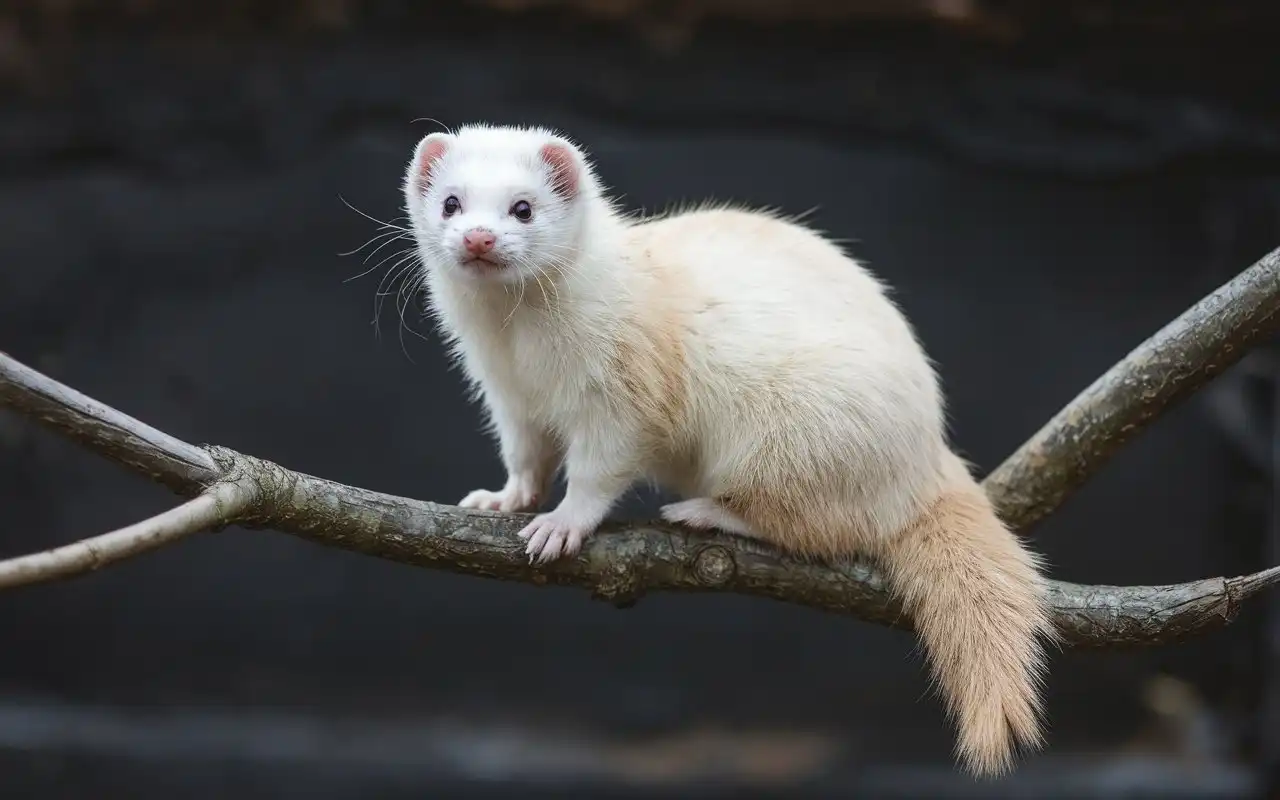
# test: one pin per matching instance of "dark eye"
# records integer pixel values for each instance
(522, 211)
(451, 206)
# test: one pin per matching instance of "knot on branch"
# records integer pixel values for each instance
(714, 566)
(273, 485)
(619, 586)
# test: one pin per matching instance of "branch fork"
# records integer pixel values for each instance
(625, 560)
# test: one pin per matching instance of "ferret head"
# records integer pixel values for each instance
(498, 203)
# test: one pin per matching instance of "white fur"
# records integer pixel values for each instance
(743, 361)
(786, 339)
(704, 514)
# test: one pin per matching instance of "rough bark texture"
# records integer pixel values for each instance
(626, 560)
(621, 563)
(1183, 356)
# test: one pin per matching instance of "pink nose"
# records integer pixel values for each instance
(478, 241)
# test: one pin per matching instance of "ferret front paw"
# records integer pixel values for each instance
(511, 498)
(551, 536)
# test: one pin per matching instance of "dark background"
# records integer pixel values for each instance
(1044, 188)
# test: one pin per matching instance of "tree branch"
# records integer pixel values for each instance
(184, 468)
(620, 564)
(219, 504)
(1180, 358)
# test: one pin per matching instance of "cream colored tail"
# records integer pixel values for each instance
(979, 605)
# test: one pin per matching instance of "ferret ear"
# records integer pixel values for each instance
(425, 156)
(566, 167)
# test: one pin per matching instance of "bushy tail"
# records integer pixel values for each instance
(979, 605)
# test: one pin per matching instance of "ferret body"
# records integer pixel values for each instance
(741, 360)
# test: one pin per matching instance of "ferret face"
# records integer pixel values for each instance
(496, 204)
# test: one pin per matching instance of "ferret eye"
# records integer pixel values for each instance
(451, 206)
(522, 211)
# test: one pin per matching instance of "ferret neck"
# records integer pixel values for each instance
(596, 272)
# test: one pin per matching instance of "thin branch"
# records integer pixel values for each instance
(1183, 356)
(622, 562)
(184, 468)
(216, 506)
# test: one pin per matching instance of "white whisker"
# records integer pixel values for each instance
(376, 237)
(373, 218)
(379, 264)
(396, 272)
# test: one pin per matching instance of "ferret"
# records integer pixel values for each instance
(740, 360)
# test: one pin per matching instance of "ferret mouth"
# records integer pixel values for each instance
(483, 264)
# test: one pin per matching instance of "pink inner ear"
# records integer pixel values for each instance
(564, 168)
(429, 152)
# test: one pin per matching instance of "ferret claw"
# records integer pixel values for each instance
(551, 537)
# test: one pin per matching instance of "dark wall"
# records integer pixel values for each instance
(172, 225)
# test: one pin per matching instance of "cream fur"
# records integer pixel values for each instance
(743, 361)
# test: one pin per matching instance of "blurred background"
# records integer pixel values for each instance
(1044, 183)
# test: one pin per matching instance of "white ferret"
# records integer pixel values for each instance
(741, 360)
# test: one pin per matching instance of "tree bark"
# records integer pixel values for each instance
(1165, 369)
(625, 560)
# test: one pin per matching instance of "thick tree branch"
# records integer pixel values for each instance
(218, 505)
(619, 565)
(1183, 356)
